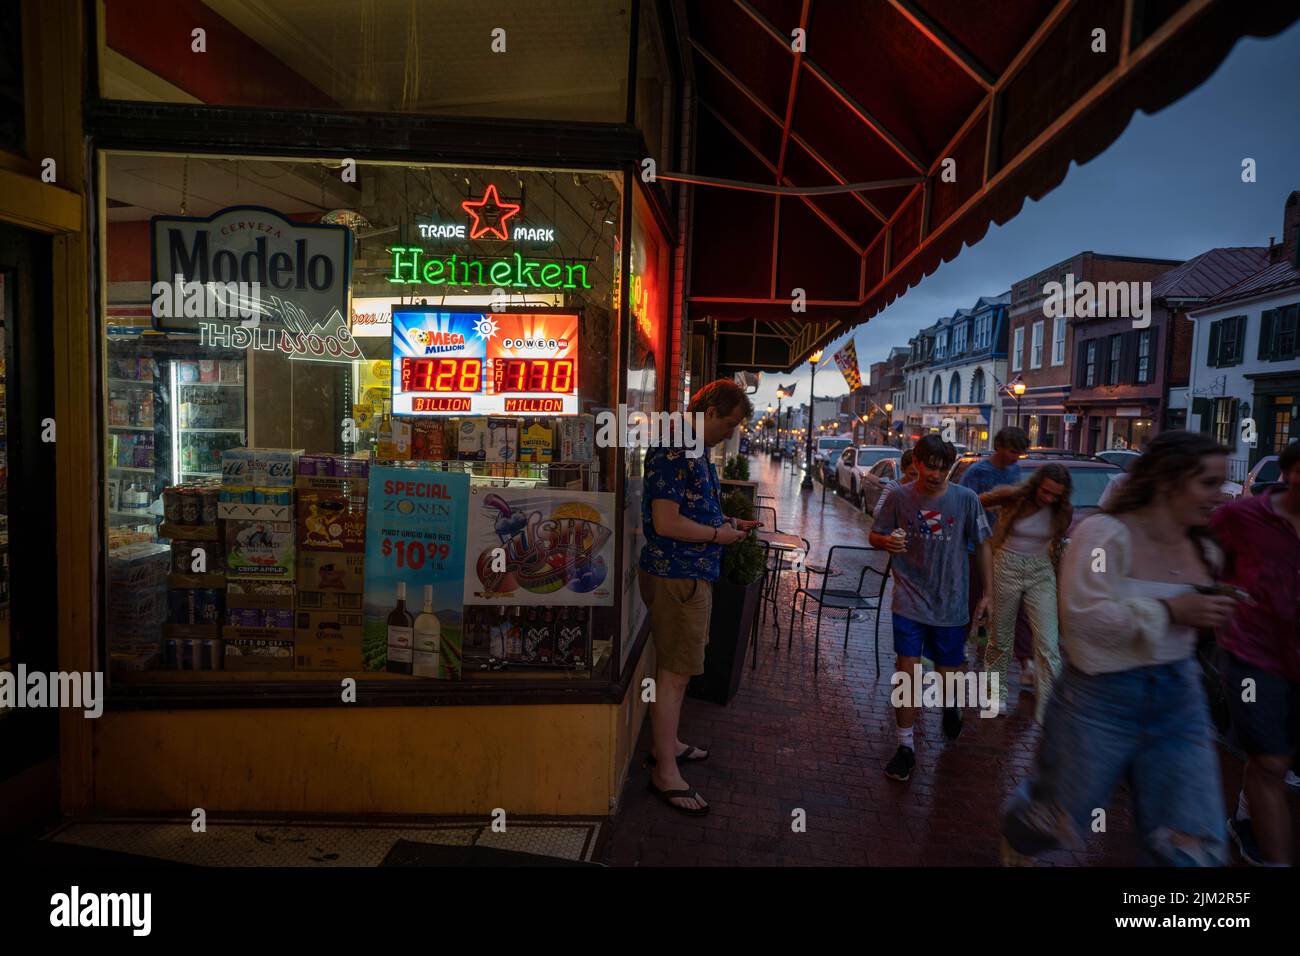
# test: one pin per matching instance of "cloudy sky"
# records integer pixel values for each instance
(1169, 187)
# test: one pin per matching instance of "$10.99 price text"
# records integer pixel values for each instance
(414, 554)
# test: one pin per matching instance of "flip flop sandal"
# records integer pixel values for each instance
(686, 756)
(667, 796)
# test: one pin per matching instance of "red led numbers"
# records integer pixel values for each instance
(537, 375)
(442, 375)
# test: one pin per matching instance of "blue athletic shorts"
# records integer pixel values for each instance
(946, 646)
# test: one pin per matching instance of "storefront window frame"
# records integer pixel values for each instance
(225, 131)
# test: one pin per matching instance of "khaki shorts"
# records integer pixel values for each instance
(679, 620)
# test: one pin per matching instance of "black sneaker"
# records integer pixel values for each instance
(900, 766)
(1243, 834)
(952, 722)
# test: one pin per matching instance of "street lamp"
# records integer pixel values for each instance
(1018, 389)
(889, 421)
(779, 395)
(812, 404)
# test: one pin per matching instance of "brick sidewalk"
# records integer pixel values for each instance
(792, 739)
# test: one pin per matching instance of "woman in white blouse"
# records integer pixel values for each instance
(1130, 704)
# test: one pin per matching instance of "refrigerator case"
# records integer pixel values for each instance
(132, 460)
(208, 414)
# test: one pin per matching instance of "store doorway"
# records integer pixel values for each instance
(28, 579)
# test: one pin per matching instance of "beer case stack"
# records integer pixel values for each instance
(257, 513)
(330, 529)
(196, 584)
(137, 604)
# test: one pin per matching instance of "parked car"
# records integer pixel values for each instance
(874, 481)
(1267, 471)
(824, 454)
(1123, 457)
(854, 463)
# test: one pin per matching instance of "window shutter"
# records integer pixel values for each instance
(1080, 359)
(1241, 339)
(1129, 351)
(1203, 407)
(1266, 345)
(1212, 356)
(1233, 430)
(1154, 333)
(1290, 315)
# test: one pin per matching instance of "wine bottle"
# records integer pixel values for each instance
(427, 640)
(400, 634)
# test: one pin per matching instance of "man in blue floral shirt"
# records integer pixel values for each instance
(685, 533)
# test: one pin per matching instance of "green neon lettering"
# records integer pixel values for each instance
(524, 271)
(570, 283)
(399, 265)
(433, 272)
(465, 267)
(551, 275)
(499, 272)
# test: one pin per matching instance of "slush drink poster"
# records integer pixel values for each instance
(543, 547)
(415, 566)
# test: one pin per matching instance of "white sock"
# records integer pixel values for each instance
(905, 737)
(1243, 806)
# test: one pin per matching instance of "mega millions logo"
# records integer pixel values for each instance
(543, 555)
(434, 341)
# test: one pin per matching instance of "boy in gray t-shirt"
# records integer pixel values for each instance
(930, 526)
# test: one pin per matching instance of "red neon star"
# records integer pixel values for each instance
(490, 215)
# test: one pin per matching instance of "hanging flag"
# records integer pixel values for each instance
(847, 359)
(788, 390)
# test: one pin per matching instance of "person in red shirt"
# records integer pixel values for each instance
(1261, 644)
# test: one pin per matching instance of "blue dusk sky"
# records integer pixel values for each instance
(1169, 187)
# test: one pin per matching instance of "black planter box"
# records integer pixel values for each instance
(730, 627)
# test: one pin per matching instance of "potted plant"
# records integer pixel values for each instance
(735, 602)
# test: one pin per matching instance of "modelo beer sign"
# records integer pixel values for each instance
(273, 267)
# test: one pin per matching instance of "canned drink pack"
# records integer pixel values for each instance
(195, 605)
(191, 507)
(171, 660)
(209, 505)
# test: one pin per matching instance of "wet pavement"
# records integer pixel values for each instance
(795, 740)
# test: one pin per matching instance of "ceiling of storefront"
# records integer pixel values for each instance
(887, 90)
(568, 56)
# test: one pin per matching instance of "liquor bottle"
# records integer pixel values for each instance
(515, 635)
(498, 626)
(564, 635)
(400, 634)
(384, 450)
(531, 635)
(427, 641)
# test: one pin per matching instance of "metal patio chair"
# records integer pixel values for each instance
(853, 579)
(778, 562)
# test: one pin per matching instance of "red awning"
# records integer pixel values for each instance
(882, 93)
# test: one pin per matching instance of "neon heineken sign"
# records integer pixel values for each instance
(411, 266)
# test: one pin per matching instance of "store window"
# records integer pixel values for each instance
(349, 426)
(1144, 357)
(1090, 363)
(1058, 340)
(1140, 433)
(1017, 348)
(1225, 413)
(936, 393)
(977, 387)
(559, 60)
(954, 388)
(1036, 346)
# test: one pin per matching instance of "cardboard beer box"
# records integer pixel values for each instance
(328, 627)
(537, 441)
(471, 439)
(330, 601)
(327, 657)
(261, 595)
(339, 573)
(258, 654)
(260, 549)
(577, 442)
(502, 439)
(259, 467)
(331, 521)
(428, 439)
